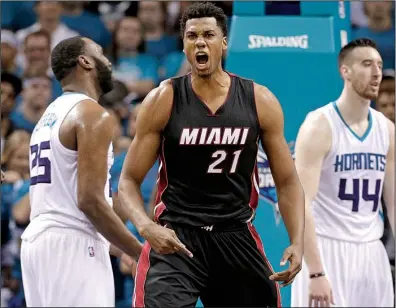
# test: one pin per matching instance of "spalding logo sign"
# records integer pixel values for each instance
(266, 181)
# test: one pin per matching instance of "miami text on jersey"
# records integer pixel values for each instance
(216, 135)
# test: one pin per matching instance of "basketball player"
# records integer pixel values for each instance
(206, 127)
(345, 160)
(65, 251)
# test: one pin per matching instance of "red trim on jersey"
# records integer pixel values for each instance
(162, 185)
(141, 274)
(260, 247)
(254, 193)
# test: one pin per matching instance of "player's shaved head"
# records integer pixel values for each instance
(344, 56)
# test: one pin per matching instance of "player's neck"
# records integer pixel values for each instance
(353, 107)
(80, 86)
(218, 78)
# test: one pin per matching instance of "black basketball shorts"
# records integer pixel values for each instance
(229, 268)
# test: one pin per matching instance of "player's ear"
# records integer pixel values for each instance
(345, 72)
(224, 43)
(86, 62)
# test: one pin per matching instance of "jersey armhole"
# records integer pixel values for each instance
(382, 124)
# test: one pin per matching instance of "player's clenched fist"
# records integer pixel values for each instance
(164, 240)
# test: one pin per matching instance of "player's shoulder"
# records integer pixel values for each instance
(316, 124)
(160, 96)
(89, 112)
(157, 105)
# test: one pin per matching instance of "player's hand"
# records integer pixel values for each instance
(127, 259)
(320, 293)
(164, 240)
(11, 176)
(293, 254)
(2, 176)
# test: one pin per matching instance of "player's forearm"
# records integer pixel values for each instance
(131, 198)
(111, 227)
(291, 206)
(115, 251)
(311, 251)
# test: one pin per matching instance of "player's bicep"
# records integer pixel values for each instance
(141, 156)
(271, 120)
(94, 132)
(312, 144)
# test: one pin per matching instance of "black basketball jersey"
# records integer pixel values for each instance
(208, 161)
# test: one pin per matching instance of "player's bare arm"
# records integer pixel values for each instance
(289, 190)
(143, 152)
(94, 129)
(312, 145)
(389, 181)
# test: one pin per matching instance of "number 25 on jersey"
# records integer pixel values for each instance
(40, 175)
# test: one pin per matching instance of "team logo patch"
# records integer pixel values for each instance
(266, 181)
(91, 251)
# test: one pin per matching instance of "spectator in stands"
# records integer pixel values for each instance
(16, 15)
(87, 24)
(385, 101)
(36, 96)
(131, 65)
(153, 15)
(48, 19)
(37, 53)
(11, 86)
(111, 12)
(380, 28)
(9, 50)
(15, 162)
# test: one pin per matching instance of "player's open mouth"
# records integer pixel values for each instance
(202, 58)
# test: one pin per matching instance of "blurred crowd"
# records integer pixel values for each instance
(142, 41)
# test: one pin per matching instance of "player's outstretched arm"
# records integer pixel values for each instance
(153, 116)
(289, 190)
(389, 184)
(312, 144)
(94, 131)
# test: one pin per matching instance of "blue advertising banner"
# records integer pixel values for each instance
(296, 58)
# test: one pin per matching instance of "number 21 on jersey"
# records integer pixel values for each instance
(220, 156)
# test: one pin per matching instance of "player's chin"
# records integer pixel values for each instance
(203, 72)
(371, 95)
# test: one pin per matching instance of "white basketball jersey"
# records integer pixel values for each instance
(348, 201)
(53, 173)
